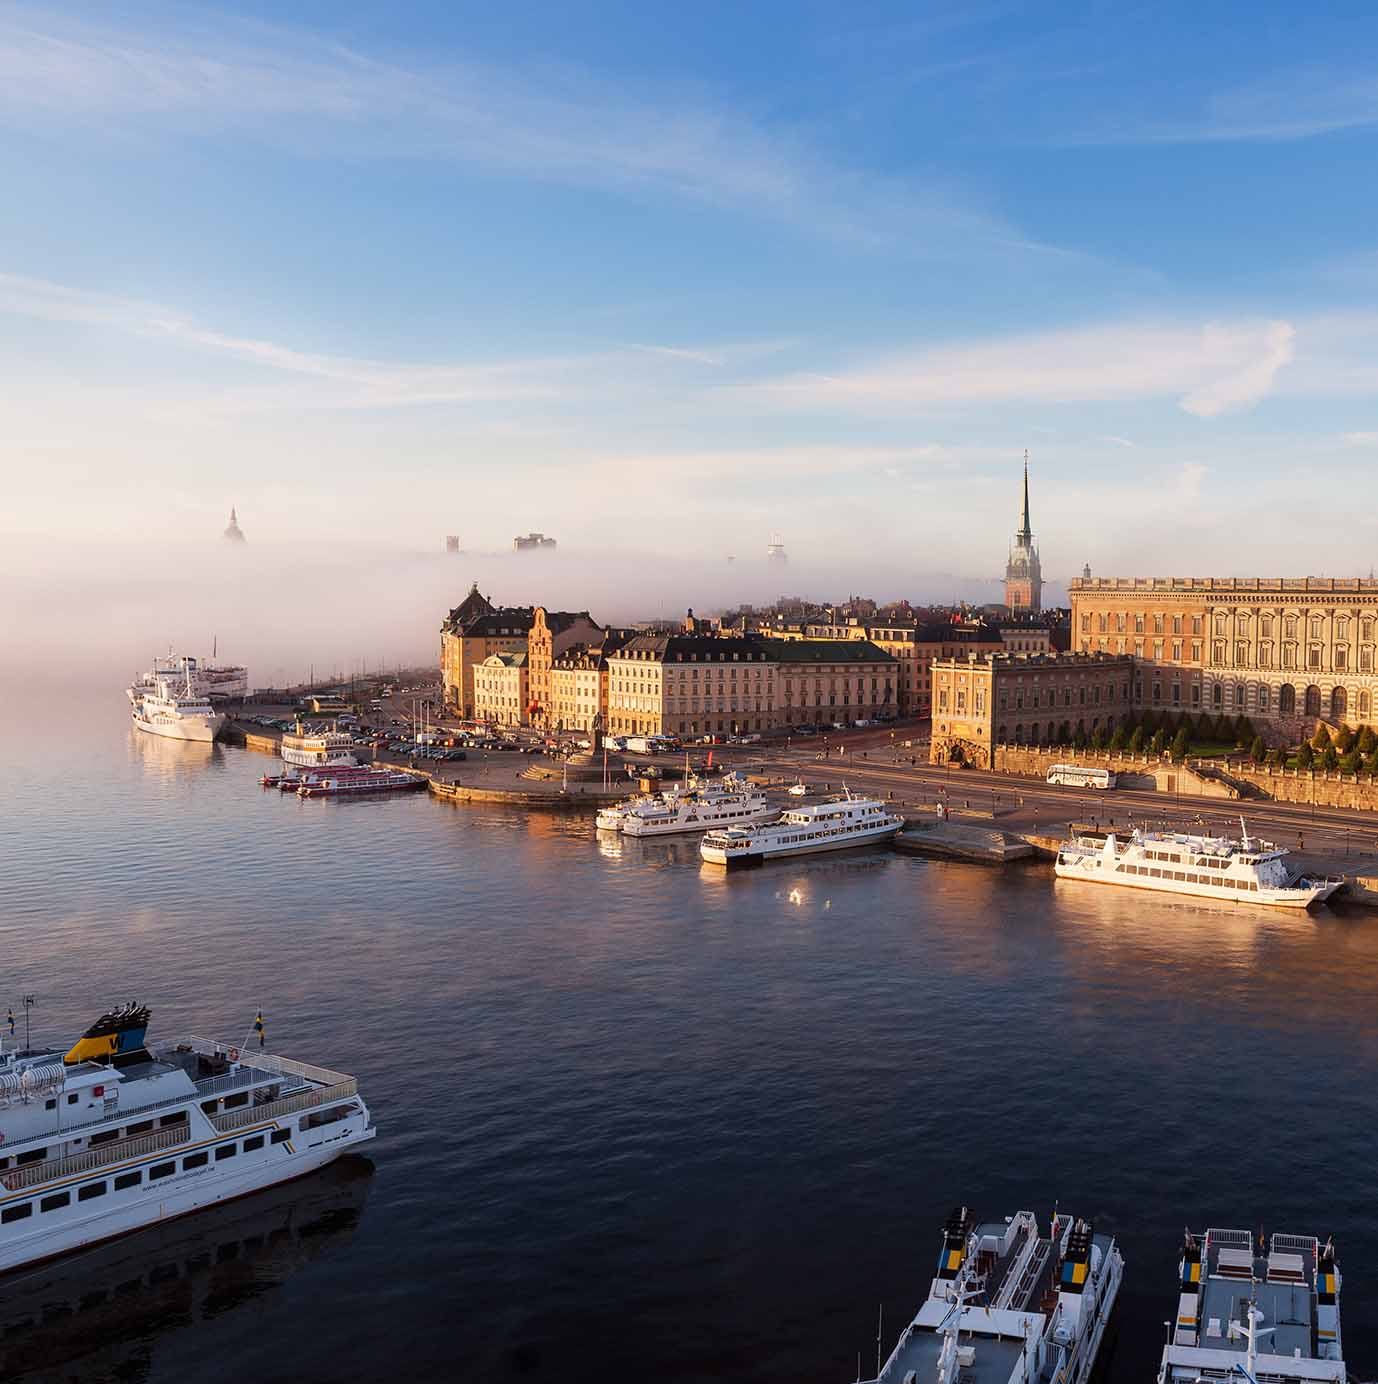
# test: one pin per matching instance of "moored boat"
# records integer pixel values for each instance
(318, 747)
(1010, 1305)
(692, 806)
(835, 825)
(1246, 870)
(174, 710)
(371, 781)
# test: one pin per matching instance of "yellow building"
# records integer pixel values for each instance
(472, 632)
(501, 690)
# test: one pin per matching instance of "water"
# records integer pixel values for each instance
(639, 1119)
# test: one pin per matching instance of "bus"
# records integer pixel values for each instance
(1080, 776)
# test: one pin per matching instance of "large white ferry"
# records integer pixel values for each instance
(694, 805)
(318, 748)
(1262, 1316)
(1010, 1305)
(175, 711)
(214, 680)
(1216, 867)
(827, 826)
(117, 1135)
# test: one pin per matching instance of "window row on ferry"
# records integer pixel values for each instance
(1187, 877)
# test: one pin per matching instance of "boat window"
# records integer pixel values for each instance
(210, 1106)
(224, 1151)
(250, 1145)
(32, 1156)
(16, 1213)
(106, 1136)
(92, 1190)
(128, 1180)
(73, 1097)
(140, 1127)
(161, 1170)
(195, 1160)
(179, 1118)
(281, 1136)
(54, 1202)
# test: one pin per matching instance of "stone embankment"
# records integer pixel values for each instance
(959, 841)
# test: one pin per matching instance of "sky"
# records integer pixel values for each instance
(665, 280)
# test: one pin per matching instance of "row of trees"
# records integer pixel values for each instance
(1349, 751)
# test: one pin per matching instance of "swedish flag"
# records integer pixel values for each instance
(259, 1029)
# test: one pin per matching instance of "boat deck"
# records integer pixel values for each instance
(1282, 1288)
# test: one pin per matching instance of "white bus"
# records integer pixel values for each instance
(1079, 776)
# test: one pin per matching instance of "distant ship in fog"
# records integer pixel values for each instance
(209, 679)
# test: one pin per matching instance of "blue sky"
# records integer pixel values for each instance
(642, 273)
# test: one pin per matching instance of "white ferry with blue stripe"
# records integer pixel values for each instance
(119, 1134)
(1010, 1304)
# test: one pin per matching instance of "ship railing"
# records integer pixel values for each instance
(258, 1059)
(114, 1152)
(288, 1105)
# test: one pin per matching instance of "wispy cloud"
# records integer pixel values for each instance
(1210, 369)
(552, 123)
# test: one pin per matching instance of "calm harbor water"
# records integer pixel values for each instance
(639, 1119)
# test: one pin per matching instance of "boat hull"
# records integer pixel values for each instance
(1311, 896)
(153, 1204)
(732, 860)
(200, 729)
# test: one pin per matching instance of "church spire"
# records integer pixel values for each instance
(1025, 531)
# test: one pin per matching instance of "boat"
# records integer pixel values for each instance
(296, 778)
(1271, 1316)
(318, 746)
(833, 825)
(119, 1133)
(345, 785)
(175, 710)
(1214, 867)
(694, 805)
(1010, 1305)
(213, 680)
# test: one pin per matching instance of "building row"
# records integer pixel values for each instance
(562, 671)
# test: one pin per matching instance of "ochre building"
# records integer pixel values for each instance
(1283, 651)
(472, 631)
(1024, 699)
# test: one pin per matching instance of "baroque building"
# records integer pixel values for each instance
(474, 630)
(1284, 651)
(1023, 571)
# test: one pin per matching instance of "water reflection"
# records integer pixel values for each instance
(168, 760)
(103, 1312)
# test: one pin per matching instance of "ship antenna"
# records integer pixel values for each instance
(1244, 832)
(880, 1326)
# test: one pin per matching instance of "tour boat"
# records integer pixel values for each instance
(1215, 867)
(119, 1134)
(694, 805)
(1010, 1305)
(296, 778)
(213, 680)
(317, 747)
(827, 826)
(1262, 1316)
(371, 781)
(176, 712)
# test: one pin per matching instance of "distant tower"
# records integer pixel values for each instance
(1023, 573)
(451, 542)
(775, 550)
(1086, 572)
(234, 533)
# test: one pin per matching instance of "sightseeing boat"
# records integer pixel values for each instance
(694, 805)
(212, 680)
(119, 1133)
(296, 778)
(317, 747)
(1010, 1305)
(173, 708)
(1271, 1315)
(834, 825)
(1215, 867)
(370, 781)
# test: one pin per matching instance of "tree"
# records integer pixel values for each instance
(1136, 741)
(1098, 739)
(1117, 738)
(1224, 728)
(1368, 741)
(1203, 727)
(1351, 763)
(1181, 743)
(1159, 742)
(1257, 751)
(1371, 763)
(1321, 739)
(1243, 729)
(1330, 760)
(1344, 740)
(1064, 733)
(1306, 756)
(1079, 739)
(1279, 758)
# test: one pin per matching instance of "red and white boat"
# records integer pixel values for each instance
(291, 781)
(373, 781)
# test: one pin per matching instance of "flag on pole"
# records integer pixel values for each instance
(9, 1019)
(258, 1028)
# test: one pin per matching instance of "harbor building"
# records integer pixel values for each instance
(985, 700)
(579, 683)
(472, 631)
(1284, 651)
(501, 690)
(533, 543)
(552, 633)
(1023, 572)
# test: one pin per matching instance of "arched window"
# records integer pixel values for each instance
(1313, 700)
(1216, 694)
(1239, 696)
(1263, 698)
(1287, 700)
(1002, 735)
(1365, 705)
(1019, 735)
(1339, 703)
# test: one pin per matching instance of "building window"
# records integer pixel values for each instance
(1287, 700)
(1341, 658)
(1263, 697)
(1216, 696)
(1313, 701)
(1313, 656)
(1176, 650)
(1339, 703)
(1138, 624)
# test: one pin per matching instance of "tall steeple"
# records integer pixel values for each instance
(234, 533)
(1025, 532)
(1023, 572)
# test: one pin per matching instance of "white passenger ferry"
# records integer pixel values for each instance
(694, 805)
(1271, 1316)
(117, 1135)
(175, 710)
(827, 826)
(1215, 867)
(1010, 1305)
(317, 747)
(213, 680)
